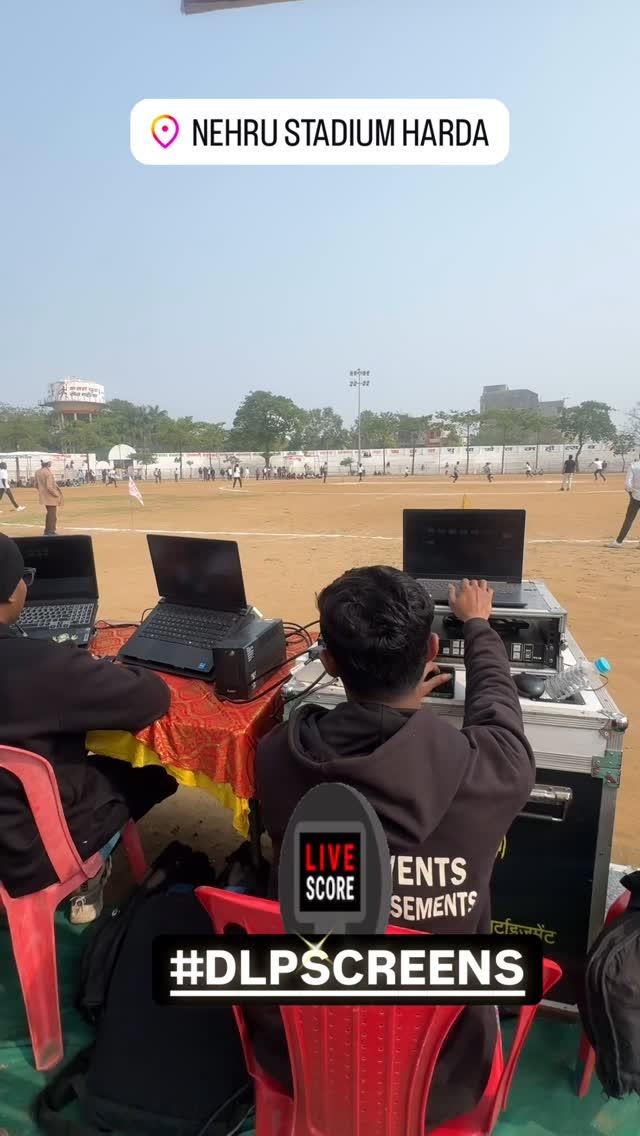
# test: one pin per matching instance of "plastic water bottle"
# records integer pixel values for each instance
(584, 676)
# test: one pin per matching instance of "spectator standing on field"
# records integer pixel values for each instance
(5, 488)
(50, 495)
(568, 470)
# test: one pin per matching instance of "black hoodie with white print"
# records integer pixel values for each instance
(445, 798)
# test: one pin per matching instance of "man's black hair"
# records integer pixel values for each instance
(376, 623)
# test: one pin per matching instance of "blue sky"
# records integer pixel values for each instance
(191, 286)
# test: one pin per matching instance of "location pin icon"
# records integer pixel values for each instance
(165, 129)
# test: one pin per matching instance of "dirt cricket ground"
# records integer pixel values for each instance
(296, 536)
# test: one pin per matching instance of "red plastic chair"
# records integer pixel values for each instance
(360, 1069)
(30, 917)
(586, 1056)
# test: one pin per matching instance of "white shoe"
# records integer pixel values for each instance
(87, 902)
(21, 509)
(616, 544)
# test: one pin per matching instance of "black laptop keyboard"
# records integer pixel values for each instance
(57, 615)
(189, 625)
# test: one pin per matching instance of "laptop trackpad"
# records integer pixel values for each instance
(177, 655)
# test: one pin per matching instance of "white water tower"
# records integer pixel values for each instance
(72, 399)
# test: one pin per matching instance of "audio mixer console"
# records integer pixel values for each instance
(534, 636)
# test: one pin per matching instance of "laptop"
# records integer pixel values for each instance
(62, 602)
(442, 546)
(202, 599)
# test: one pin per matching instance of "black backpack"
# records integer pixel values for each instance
(610, 1004)
(153, 1070)
(178, 864)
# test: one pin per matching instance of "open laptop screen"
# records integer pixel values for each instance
(198, 573)
(64, 567)
(449, 544)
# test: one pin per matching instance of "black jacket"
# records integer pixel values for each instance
(50, 696)
(445, 798)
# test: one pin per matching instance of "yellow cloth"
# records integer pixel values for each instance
(126, 747)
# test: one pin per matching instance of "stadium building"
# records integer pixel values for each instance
(500, 397)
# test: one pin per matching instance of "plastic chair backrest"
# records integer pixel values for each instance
(618, 907)
(43, 797)
(551, 974)
(356, 1069)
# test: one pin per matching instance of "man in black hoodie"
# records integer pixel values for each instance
(51, 695)
(445, 797)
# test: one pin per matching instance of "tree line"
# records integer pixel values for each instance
(267, 423)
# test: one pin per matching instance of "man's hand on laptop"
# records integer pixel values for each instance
(472, 599)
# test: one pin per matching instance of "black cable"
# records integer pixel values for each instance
(314, 623)
(223, 1107)
(241, 1123)
(290, 659)
(129, 623)
(294, 630)
(106, 623)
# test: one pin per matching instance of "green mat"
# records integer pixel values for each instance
(543, 1101)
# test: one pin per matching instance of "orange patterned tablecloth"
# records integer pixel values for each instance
(204, 742)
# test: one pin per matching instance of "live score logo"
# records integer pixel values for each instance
(330, 869)
(335, 871)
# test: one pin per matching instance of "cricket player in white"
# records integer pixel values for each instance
(632, 485)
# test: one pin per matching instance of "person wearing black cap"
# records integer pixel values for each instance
(51, 695)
